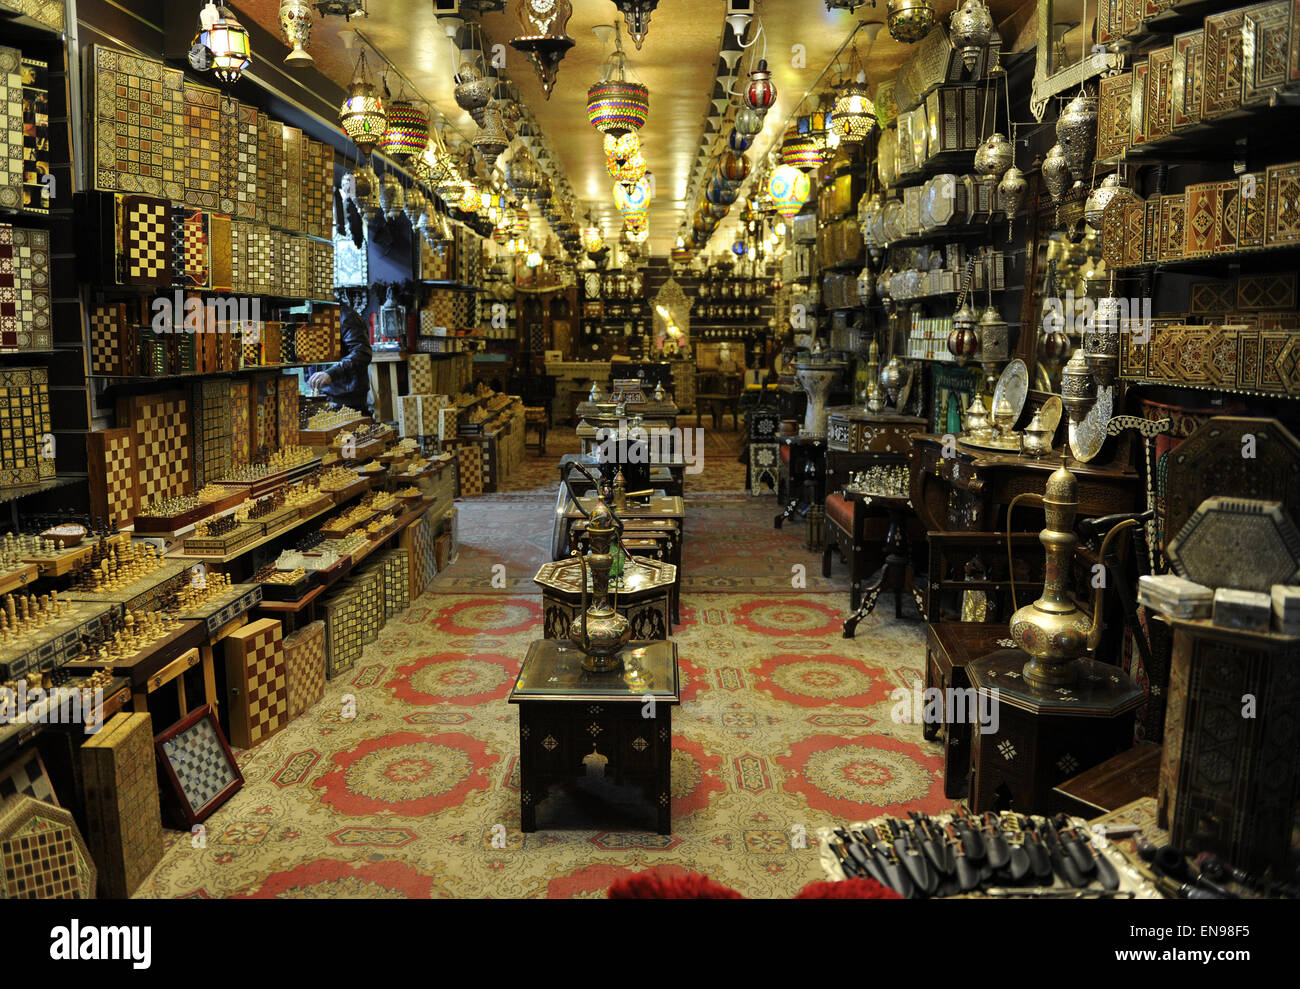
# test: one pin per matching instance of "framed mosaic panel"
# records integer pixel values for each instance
(1114, 102)
(1160, 95)
(1173, 228)
(24, 289)
(1137, 104)
(239, 428)
(203, 151)
(1151, 230)
(1134, 232)
(1265, 45)
(1223, 68)
(139, 125)
(198, 765)
(123, 812)
(1252, 203)
(1188, 77)
(24, 425)
(1282, 204)
(1219, 296)
(1200, 219)
(321, 285)
(293, 148)
(42, 853)
(11, 128)
(1275, 290)
(1226, 216)
(1113, 229)
(351, 264)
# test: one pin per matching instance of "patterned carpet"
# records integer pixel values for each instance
(785, 727)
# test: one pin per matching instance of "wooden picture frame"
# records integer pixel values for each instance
(198, 765)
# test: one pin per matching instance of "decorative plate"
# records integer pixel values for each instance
(1088, 437)
(1050, 412)
(1013, 386)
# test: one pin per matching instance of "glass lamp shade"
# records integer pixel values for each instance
(471, 200)
(295, 27)
(632, 197)
(593, 242)
(800, 150)
(231, 48)
(408, 131)
(813, 125)
(760, 94)
(739, 142)
(721, 193)
(617, 107)
(789, 188)
(748, 122)
(363, 117)
(637, 222)
(853, 117)
(621, 147)
(629, 170)
(739, 249)
(733, 167)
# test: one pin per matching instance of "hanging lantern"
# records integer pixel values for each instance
(800, 150)
(415, 205)
(522, 175)
(1011, 191)
(721, 194)
(760, 94)
(748, 122)
(963, 340)
(632, 197)
(543, 38)
(392, 199)
(222, 44)
(631, 169)
(617, 106)
(994, 157)
(362, 116)
(473, 92)
(491, 140)
(813, 126)
(346, 9)
(1076, 134)
(853, 117)
(408, 131)
(1056, 172)
(1100, 198)
(295, 28)
(739, 142)
(970, 30)
(621, 147)
(789, 188)
(909, 20)
(733, 167)
(593, 242)
(739, 249)
(365, 191)
(472, 199)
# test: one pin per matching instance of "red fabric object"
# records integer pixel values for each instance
(649, 886)
(847, 889)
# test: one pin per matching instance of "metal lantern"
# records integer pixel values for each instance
(853, 116)
(408, 131)
(1056, 172)
(748, 122)
(473, 92)
(229, 49)
(362, 116)
(1078, 389)
(963, 340)
(365, 191)
(1011, 191)
(295, 27)
(491, 140)
(789, 188)
(994, 157)
(760, 94)
(346, 9)
(994, 342)
(909, 20)
(522, 175)
(392, 198)
(617, 106)
(1100, 198)
(415, 204)
(866, 285)
(970, 30)
(1101, 340)
(1076, 134)
(390, 328)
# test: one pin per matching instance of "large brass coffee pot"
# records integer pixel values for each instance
(1053, 630)
(601, 631)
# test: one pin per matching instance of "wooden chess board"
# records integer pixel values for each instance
(271, 182)
(192, 248)
(123, 813)
(139, 125)
(317, 189)
(342, 632)
(42, 854)
(199, 765)
(161, 432)
(110, 462)
(26, 776)
(202, 147)
(25, 457)
(239, 159)
(239, 431)
(24, 289)
(320, 338)
(144, 241)
(304, 661)
(286, 400)
(211, 434)
(293, 150)
(258, 689)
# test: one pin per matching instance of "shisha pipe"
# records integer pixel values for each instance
(596, 480)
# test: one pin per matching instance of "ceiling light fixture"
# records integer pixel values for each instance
(222, 44)
(362, 116)
(295, 27)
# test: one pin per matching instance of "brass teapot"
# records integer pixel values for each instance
(601, 631)
(1053, 630)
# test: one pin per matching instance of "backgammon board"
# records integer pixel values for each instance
(317, 189)
(1221, 90)
(42, 854)
(139, 125)
(123, 814)
(110, 462)
(238, 159)
(203, 147)
(192, 247)
(1115, 100)
(321, 281)
(36, 135)
(239, 431)
(1265, 32)
(212, 430)
(160, 427)
(293, 149)
(342, 632)
(304, 666)
(25, 457)
(24, 289)
(271, 184)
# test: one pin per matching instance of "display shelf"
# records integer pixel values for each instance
(1264, 128)
(1207, 264)
(452, 285)
(1157, 28)
(62, 481)
(251, 369)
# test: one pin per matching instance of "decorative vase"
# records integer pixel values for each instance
(816, 377)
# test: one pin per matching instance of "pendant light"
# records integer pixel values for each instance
(615, 104)
(295, 27)
(362, 115)
(407, 134)
(221, 45)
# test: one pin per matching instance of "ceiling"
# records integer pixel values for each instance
(678, 62)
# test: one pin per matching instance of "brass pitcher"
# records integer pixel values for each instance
(1053, 630)
(601, 631)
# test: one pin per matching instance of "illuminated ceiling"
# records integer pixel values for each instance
(678, 62)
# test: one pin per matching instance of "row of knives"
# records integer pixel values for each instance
(926, 857)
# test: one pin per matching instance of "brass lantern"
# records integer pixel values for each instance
(362, 116)
(853, 116)
(491, 140)
(909, 20)
(392, 198)
(295, 26)
(1078, 388)
(222, 44)
(971, 29)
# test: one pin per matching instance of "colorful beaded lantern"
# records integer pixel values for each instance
(621, 147)
(629, 170)
(789, 188)
(632, 197)
(617, 107)
(800, 150)
(760, 94)
(363, 116)
(408, 131)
